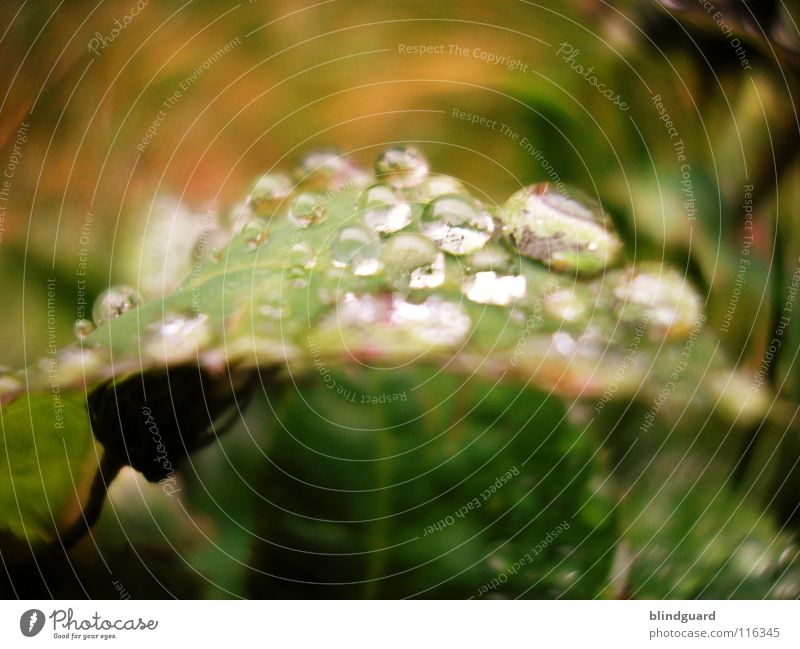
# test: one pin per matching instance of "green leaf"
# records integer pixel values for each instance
(46, 455)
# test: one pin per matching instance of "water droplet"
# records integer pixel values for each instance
(177, 337)
(383, 210)
(566, 305)
(328, 170)
(255, 233)
(662, 296)
(488, 287)
(457, 224)
(302, 255)
(269, 192)
(388, 319)
(357, 248)
(436, 321)
(401, 167)
(83, 328)
(437, 185)
(565, 229)
(113, 303)
(209, 245)
(413, 262)
(307, 209)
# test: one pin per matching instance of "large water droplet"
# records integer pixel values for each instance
(661, 296)
(269, 192)
(177, 337)
(488, 287)
(383, 210)
(328, 170)
(565, 229)
(401, 167)
(308, 208)
(413, 262)
(114, 302)
(357, 248)
(492, 256)
(457, 224)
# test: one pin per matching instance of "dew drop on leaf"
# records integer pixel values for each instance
(307, 209)
(402, 167)
(113, 303)
(177, 337)
(561, 227)
(357, 248)
(412, 261)
(269, 192)
(302, 255)
(209, 245)
(488, 287)
(326, 169)
(436, 185)
(457, 224)
(382, 210)
(82, 328)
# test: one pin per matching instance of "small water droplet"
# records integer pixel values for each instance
(269, 192)
(83, 328)
(488, 287)
(402, 167)
(307, 209)
(255, 233)
(113, 303)
(457, 224)
(413, 262)
(492, 256)
(383, 210)
(563, 228)
(327, 169)
(357, 248)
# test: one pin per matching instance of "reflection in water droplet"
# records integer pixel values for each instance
(328, 170)
(401, 167)
(488, 287)
(269, 192)
(457, 224)
(177, 337)
(563, 228)
(113, 303)
(357, 248)
(382, 210)
(413, 262)
(209, 245)
(661, 295)
(437, 185)
(83, 328)
(308, 208)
